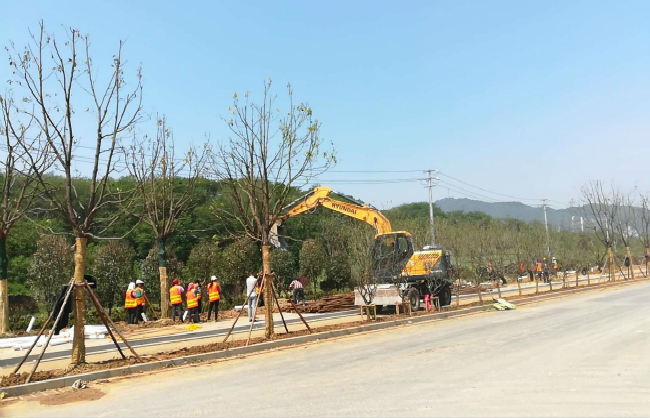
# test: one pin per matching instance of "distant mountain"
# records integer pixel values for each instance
(504, 210)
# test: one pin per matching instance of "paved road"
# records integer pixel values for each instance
(12, 358)
(586, 355)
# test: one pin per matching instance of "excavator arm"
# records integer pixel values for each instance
(320, 197)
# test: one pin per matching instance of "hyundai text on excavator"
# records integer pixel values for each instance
(401, 273)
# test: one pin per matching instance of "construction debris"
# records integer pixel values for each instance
(80, 384)
(503, 305)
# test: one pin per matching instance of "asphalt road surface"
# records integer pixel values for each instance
(586, 355)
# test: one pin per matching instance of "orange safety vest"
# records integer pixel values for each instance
(555, 266)
(489, 267)
(257, 290)
(140, 301)
(175, 295)
(522, 268)
(539, 267)
(213, 292)
(129, 301)
(192, 300)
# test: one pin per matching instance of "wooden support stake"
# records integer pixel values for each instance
(291, 301)
(99, 308)
(146, 299)
(49, 319)
(119, 349)
(519, 285)
(56, 322)
(277, 302)
(238, 315)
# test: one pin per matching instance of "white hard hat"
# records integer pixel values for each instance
(139, 282)
(213, 278)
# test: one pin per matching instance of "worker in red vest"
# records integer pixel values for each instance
(214, 295)
(176, 300)
(192, 303)
(130, 303)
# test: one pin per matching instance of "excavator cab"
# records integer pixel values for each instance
(276, 237)
(390, 253)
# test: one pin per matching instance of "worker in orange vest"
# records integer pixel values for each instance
(139, 301)
(176, 300)
(214, 295)
(130, 303)
(538, 269)
(192, 303)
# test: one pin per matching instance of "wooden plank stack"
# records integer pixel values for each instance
(335, 303)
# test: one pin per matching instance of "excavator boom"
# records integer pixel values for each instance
(320, 196)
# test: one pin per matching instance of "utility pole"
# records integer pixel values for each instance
(430, 185)
(548, 241)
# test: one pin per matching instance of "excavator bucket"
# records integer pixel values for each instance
(276, 237)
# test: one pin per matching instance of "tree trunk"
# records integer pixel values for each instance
(162, 274)
(78, 342)
(4, 288)
(458, 288)
(610, 262)
(629, 258)
(268, 292)
(588, 276)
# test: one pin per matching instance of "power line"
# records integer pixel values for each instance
(488, 191)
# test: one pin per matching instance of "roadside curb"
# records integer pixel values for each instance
(63, 382)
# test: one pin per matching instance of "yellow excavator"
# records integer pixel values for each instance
(401, 273)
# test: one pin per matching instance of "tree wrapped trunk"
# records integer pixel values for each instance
(610, 262)
(4, 288)
(268, 291)
(631, 264)
(164, 285)
(79, 343)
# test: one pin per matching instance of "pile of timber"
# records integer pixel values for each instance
(336, 303)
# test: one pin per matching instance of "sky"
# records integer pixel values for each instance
(518, 100)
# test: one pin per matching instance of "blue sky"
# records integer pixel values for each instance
(524, 98)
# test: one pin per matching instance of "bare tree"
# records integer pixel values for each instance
(50, 73)
(601, 211)
(268, 153)
(642, 227)
(360, 240)
(624, 225)
(18, 190)
(165, 189)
